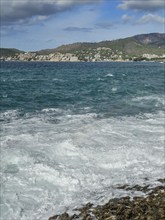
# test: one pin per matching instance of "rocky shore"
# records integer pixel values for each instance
(149, 207)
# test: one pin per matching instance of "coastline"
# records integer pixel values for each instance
(148, 207)
(101, 61)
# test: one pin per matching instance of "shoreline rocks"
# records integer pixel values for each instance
(149, 207)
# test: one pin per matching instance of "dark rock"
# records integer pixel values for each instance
(53, 217)
(151, 207)
(161, 180)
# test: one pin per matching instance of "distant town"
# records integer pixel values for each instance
(68, 57)
(145, 47)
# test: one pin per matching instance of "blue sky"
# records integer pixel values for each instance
(38, 24)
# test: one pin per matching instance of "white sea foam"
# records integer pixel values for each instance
(100, 79)
(49, 168)
(114, 89)
(58, 110)
(4, 95)
(109, 75)
(150, 97)
(10, 114)
(60, 80)
(157, 101)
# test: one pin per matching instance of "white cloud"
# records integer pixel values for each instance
(151, 18)
(13, 11)
(126, 18)
(146, 5)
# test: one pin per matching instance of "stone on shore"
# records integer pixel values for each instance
(151, 207)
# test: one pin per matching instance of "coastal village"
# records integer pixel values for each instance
(96, 55)
(144, 47)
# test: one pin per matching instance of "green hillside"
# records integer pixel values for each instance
(6, 52)
(139, 47)
(133, 46)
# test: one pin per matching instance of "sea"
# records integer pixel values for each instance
(72, 133)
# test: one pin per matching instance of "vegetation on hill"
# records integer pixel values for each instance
(137, 48)
(6, 52)
(133, 46)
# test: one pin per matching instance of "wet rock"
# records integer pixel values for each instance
(151, 207)
(161, 180)
(53, 217)
(64, 216)
(135, 188)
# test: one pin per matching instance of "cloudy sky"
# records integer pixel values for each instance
(37, 24)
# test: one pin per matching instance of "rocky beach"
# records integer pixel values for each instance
(151, 206)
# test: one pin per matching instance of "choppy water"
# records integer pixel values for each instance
(71, 131)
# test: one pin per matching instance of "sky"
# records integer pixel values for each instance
(32, 25)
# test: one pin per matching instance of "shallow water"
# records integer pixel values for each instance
(70, 132)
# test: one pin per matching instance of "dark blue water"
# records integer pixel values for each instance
(106, 88)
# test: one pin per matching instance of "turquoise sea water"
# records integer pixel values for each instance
(105, 88)
(71, 131)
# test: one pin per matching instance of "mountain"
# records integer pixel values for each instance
(6, 52)
(154, 39)
(137, 45)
